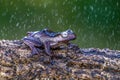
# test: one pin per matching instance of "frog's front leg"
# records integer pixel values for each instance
(47, 47)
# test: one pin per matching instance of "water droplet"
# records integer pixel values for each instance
(91, 7)
(17, 24)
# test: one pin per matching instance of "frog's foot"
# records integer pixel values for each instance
(35, 51)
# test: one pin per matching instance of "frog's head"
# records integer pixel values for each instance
(65, 36)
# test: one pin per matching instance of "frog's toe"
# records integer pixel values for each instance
(48, 52)
(34, 52)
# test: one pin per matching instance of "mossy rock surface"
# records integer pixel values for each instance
(67, 63)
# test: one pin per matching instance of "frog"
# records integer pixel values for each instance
(46, 39)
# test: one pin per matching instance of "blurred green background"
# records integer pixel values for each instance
(95, 22)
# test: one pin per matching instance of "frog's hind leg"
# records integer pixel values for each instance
(32, 47)
(33, 43)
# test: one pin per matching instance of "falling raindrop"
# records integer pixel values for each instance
(94, 21)
(91, 7)
(17, 24)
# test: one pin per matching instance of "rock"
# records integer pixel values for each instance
(70, 63)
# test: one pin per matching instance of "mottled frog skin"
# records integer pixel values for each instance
(46, 39)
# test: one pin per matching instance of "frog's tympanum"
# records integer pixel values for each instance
(46, 39)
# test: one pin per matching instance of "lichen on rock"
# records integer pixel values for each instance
(69, 62)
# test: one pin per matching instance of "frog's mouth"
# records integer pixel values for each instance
(56, 43)
(59, 44)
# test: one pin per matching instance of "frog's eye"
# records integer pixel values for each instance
(64, 34)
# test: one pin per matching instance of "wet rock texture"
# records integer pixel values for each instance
(67, 63)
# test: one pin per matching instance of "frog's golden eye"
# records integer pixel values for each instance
(64, 34)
